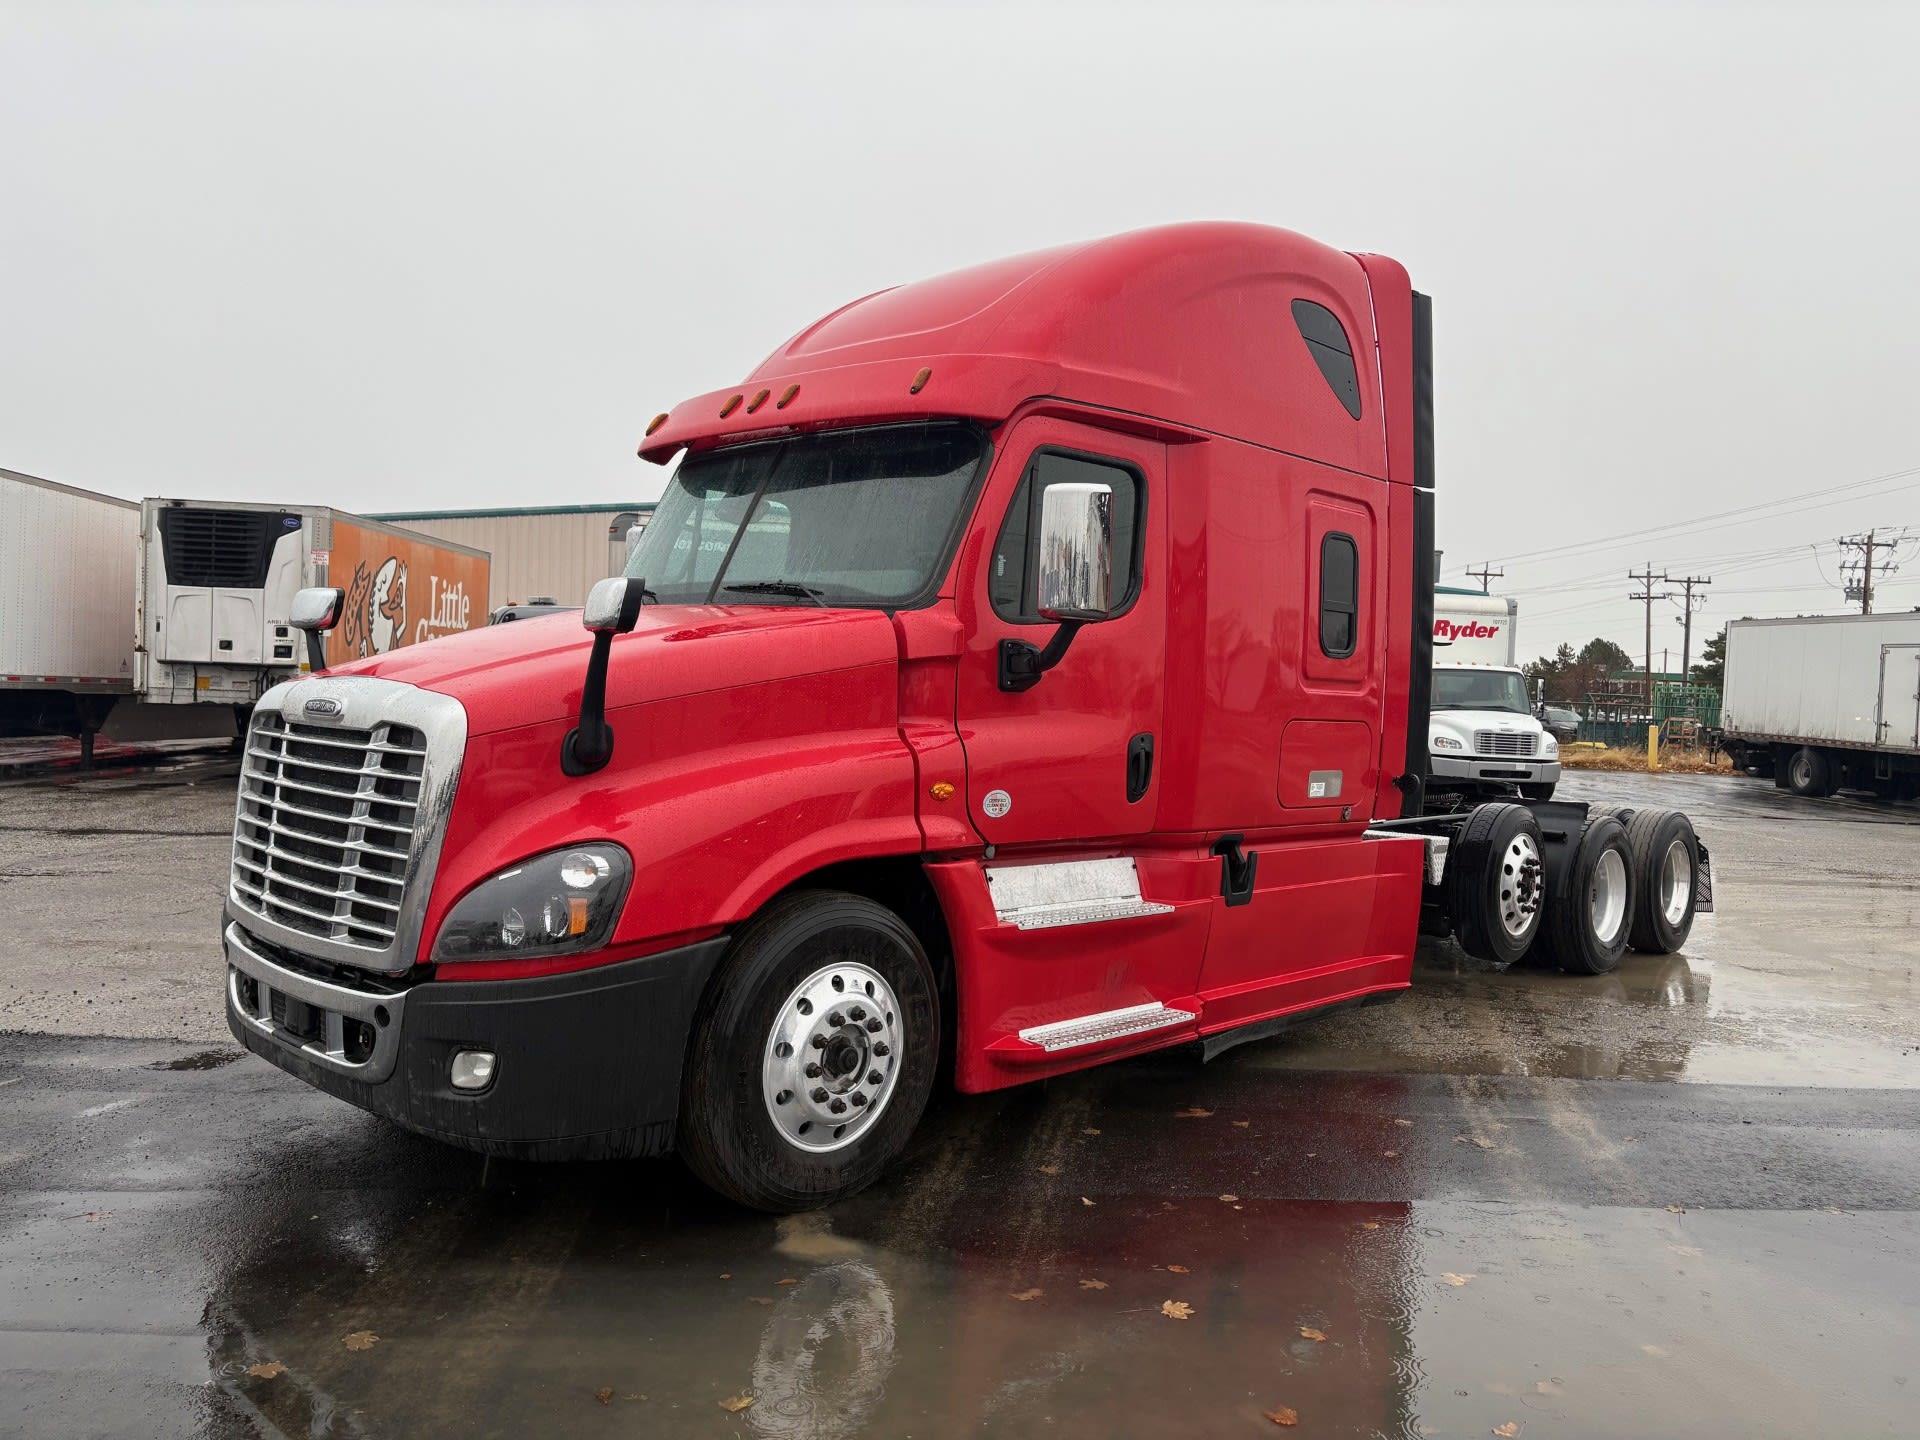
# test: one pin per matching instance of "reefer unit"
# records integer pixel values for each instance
(217, 580)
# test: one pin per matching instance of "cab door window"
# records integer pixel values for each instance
(1013, 580)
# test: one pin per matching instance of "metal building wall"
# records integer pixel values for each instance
(558, 554)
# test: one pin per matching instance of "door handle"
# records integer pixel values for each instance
(1139, 766)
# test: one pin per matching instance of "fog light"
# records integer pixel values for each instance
(472, 1069)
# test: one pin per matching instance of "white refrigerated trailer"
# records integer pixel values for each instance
(67, 560)
(1826, 702)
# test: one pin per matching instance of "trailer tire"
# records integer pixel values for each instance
(1495, 882)
(1666, 858)
(1591, 913)
(776, 1009)
(1810, 773)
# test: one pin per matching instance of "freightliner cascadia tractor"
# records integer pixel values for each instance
(1024, 669)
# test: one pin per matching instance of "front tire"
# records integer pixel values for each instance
(824, 997)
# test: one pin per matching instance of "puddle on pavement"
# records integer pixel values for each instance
(590, 1308)
(199, 1060)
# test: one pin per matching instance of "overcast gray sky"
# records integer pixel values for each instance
(406, 256)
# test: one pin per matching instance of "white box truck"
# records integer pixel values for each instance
(1484, 733)
(1825, 702)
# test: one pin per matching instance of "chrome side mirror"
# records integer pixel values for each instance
(316, 610)
(1075, 580)
(612, 608)
(1076, 551)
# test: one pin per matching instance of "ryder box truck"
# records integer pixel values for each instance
(1028, 666)
(1485, 734)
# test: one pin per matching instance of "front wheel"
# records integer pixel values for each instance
(814, 1056)
(1810, 773)
(1495, 882)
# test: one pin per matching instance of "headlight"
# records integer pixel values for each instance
(1553, 746)
(1447, 742)
(551, 904)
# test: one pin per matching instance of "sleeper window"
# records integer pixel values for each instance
(1014, 578)
(1339, 595)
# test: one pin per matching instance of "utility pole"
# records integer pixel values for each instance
(1646, 594)
(1866, 544)
(1486, 577)
(1687, 582)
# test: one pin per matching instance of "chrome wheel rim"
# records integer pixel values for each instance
(1676, 882)
(1607, 897)
(1521, 887)
(1802, 773)
(828, 1069)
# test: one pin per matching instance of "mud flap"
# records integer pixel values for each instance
(1703, 882)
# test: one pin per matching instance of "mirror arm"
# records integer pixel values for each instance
(316, 651)
(1022, 665)
(589, 745)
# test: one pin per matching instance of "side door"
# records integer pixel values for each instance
(1071, 760)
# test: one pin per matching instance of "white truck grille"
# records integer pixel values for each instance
(325, 827)
(1504, 742)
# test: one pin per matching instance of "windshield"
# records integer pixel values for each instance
(854, 517)
(1480, 690)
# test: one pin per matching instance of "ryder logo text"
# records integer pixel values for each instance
(1447, 631)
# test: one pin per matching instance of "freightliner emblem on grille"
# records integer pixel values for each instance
(322, 707)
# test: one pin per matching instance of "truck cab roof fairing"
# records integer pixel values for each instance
(1188, 323)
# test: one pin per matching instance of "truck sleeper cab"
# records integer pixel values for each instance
(1029, 663)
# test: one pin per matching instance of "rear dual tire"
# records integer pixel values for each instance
(1666, 858)
(1590, 913)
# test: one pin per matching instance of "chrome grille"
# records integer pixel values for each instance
(1504, 742)
(325, 827)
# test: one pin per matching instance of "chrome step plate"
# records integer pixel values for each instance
(1068, 892)
(1107, 1025)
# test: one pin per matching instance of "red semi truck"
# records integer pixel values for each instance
(1024, 669)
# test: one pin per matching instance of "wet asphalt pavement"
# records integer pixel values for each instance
(1681, 1201)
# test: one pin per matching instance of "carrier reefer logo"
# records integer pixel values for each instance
(1445, 632)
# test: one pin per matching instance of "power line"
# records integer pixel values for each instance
(1861, 588)
(1486, 577)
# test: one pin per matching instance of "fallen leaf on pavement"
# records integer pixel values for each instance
(1369, 1224)
(788, 1281)
(1307, 1332)
(725, 1276)
(1192, 1112)
(1284, 1415)
(1230, 1199)
(736, 1404)
(1084, 1201)
(1404, 1124)
(1676, 1209)
(604, 1394)
(1507, 1431)
(1179, 1270)
(360, 1340)
(1391, 1154)
(1449, 1278)
(1033, 1294)
(1089, 1131)
(266, 1370)
(1176, 1309)
(1241, 1124)
(1093, 1284)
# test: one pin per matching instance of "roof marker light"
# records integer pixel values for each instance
(920, 381)
(731, 406)
(657, 421)
(786, 397)
(757, 401)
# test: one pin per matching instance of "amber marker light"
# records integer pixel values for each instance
(920, 381)
(757, 401)
(786, 397)
(731, 406)
(657, 421)
(941, 790)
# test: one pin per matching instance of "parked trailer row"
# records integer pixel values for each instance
(1826, 702)
(108, 607)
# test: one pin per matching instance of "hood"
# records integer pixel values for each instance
(533, 671)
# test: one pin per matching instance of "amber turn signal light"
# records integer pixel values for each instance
(657, 421)
(920, 381)
(731, 406)
(786, 397)
(757, 401)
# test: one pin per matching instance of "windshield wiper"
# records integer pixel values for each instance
(780, 587)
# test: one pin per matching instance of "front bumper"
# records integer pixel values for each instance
(1494, 769)
(587, 1063)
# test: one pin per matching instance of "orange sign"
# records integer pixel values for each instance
(400, 590)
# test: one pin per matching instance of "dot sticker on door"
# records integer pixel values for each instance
(996, 803)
